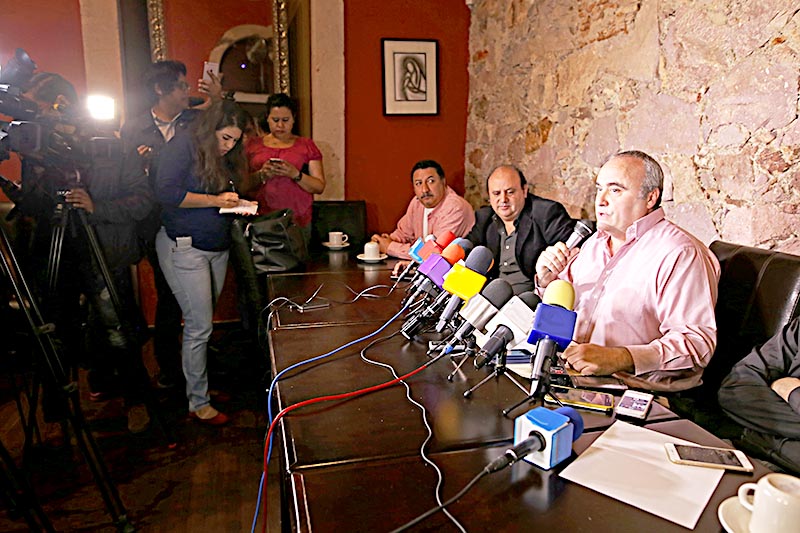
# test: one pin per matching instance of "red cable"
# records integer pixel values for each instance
(320, 399)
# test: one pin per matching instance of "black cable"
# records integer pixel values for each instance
(435, 510)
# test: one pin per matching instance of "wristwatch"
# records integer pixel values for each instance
(299, 176)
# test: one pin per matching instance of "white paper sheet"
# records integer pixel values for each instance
(629, 463)
(245, 207)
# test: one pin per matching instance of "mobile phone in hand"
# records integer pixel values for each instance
(210, 67)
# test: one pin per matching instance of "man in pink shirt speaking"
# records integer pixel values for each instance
(645, 289)
(434, 209)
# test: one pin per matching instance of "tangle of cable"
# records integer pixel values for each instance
(332, 397)
(425, 458)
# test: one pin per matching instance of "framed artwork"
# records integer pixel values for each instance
(410, 77)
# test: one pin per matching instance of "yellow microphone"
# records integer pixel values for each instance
(560, 293)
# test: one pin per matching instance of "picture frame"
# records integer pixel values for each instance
(410, 76)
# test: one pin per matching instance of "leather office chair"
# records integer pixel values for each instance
(759, 292)
(349, 216)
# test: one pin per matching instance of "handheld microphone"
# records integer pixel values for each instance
(583, 228)
(510, 327)
(542, 437)
(465, 282)
(480, 309)
(552, 328)
(195, 101)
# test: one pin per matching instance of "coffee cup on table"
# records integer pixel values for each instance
(337, 238)
(774, 504)
(372, 250)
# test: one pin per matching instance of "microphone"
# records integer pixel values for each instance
(552, 328)
(195, 101)
(465, 282)
(436, 246)
(480, 309)
(435, 268)
(542, 437)
(423, 249)
(431, 272)
(510, 326)
(583, 228)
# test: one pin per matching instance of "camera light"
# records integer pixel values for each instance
(100, 107)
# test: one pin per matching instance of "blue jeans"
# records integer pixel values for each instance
(196, 278)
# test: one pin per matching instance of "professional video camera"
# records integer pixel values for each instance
(60, 136)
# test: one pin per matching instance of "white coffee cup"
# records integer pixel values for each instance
(775, 505)
(372, 250)
(337, 238)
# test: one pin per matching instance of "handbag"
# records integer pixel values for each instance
(276, 242)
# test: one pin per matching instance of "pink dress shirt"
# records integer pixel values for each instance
(453, 213)
(655, 296)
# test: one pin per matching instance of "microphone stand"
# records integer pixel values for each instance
(499, 370)
(540, 386)
(470, 350)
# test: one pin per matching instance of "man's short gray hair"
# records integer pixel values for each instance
(653, 175)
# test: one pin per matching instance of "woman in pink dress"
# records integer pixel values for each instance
(288, 166)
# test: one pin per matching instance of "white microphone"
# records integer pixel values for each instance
(509, 327)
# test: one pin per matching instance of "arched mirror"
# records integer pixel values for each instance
(256, 58)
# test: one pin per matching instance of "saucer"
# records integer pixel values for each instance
(362, 257)
(330, 246)
(733, 515)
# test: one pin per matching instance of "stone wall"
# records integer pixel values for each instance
(708, 87)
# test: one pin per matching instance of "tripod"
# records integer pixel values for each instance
(42, 335)
(541, 360)
(499, 370)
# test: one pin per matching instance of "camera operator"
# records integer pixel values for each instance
(114, 194)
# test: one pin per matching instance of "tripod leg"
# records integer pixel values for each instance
(128, 331)
(468, 392)
(20, 496)
(47, 348)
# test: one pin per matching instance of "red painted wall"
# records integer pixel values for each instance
(194, 27)
(382, 149)
(51, 34)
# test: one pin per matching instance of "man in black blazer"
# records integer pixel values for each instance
(517, 227)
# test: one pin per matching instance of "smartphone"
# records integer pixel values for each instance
(275, 160)
(210, 66)
(695, 455)
(634, 404)
(582, 398)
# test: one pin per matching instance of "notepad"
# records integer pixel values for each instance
(245, 207)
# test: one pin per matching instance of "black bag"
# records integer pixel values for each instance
(276, 242)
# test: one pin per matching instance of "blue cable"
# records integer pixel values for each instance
(296, 365)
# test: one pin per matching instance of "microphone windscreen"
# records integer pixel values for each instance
(453, 253)
(561, 293)
(530, 298)
(576, 420)
(445, 238)
(466, 244)
(583, 228)
(498, 292)
(480, 260)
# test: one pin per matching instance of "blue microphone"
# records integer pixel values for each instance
(542, 437)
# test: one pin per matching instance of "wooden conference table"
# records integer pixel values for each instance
(355, 465)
